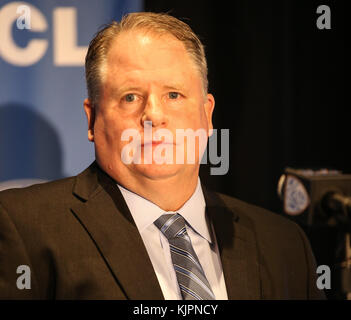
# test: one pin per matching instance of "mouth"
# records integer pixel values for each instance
(155, 143)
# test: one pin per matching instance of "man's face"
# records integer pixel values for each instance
(147, 77)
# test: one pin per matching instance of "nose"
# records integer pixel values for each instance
(154, 111)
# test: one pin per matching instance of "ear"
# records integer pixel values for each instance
(209, 106)
(90, 113)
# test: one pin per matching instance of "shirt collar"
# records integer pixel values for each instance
(145, 212)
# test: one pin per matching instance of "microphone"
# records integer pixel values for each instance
(316, 197)
(334, 201)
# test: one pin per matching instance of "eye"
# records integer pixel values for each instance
(130, 97)
(173, 95)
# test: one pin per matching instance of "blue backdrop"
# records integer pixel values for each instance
(43, 130)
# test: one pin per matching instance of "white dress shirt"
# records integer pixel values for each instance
(145, 212)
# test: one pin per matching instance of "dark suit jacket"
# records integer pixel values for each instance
(80, 242)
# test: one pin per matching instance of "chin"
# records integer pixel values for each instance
(158, 171)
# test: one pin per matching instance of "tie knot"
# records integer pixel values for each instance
(171, 225)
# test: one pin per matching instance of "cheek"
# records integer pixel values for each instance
(194, 119)
(108, 131)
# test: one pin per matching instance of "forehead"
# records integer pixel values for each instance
(138, 53)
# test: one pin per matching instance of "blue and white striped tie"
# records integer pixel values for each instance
(190, 275)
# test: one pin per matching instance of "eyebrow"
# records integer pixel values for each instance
(116, 91)
(174, 87)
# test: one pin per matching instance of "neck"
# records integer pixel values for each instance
(168, 193)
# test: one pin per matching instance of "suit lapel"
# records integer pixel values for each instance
(106, 217)
(237, 245)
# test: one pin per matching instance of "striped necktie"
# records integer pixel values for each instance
(190, 275)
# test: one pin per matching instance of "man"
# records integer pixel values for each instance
(133, 228)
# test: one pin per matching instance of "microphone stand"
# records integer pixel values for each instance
(348, 261)
(345, 265)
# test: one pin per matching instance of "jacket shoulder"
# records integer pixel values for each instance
(271, 229)
(258, 215)
(38, 195)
